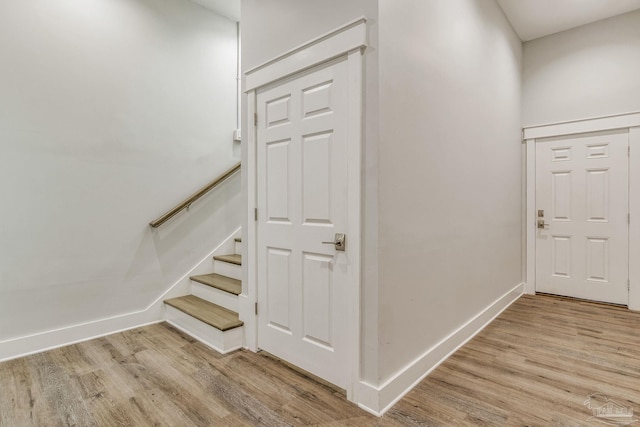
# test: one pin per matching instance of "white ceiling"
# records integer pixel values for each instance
(530, 18)
(537, 18)
(227, 8)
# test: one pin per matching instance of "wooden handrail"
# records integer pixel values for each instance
(195, 196)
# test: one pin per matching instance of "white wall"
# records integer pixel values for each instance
(585, 72)
(111, 112)
(270, 28)
(442, 95)
(450, 170)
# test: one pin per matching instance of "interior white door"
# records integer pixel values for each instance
(302, 202)
(582, 200)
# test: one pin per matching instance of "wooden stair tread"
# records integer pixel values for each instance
(231, 258)
(218, 281)
(207, 312)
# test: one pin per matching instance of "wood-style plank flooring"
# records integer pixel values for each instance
(536, 364)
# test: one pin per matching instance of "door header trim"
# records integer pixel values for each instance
(349, 37)
(617, 121)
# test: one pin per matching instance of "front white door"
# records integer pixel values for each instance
(582, 205)
(302, 202)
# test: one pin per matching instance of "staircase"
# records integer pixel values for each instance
(210, 312)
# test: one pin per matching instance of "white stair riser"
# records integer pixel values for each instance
(228, 269)
(238, 248)
(222, 342)
(216, 296)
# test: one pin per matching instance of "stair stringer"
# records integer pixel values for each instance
(183, 286)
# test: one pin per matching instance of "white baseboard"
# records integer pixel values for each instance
(49, 340)
(379, 399)
(153, 313)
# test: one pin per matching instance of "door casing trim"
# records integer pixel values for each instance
(533, 134)
(348, 42)
(344, 39)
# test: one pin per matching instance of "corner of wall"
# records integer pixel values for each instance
(377, 400)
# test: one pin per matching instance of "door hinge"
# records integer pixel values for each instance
(629, 151)
(255, 214)
(629, 218)
(255, 119)
(256, 308)
(628, 284)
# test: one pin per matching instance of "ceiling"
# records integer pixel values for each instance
(530, 18)
(537, 18)
(227, 8)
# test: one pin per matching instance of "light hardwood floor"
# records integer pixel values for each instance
(536, 364)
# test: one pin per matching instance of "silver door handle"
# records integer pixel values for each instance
(542, 224)
(339, 242)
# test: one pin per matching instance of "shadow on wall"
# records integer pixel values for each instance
(163, 256)
(172, 249)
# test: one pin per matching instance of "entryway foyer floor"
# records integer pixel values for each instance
(536, 364)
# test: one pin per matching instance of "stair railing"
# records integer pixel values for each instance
(186, 203)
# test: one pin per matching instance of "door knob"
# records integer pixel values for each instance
(339, 242)
(542, 224)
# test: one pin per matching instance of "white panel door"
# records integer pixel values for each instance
(302, 202)
(582, 197)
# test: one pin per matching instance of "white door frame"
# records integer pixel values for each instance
(533, 134)
(349, 42)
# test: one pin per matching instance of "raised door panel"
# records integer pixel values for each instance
(279, 289)
(597, 195)
(317, 294)
(316, 179)
(561, 195)
(278, 111)
(316, 99)
(278, 179)
(561, 258)
(597, 259)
